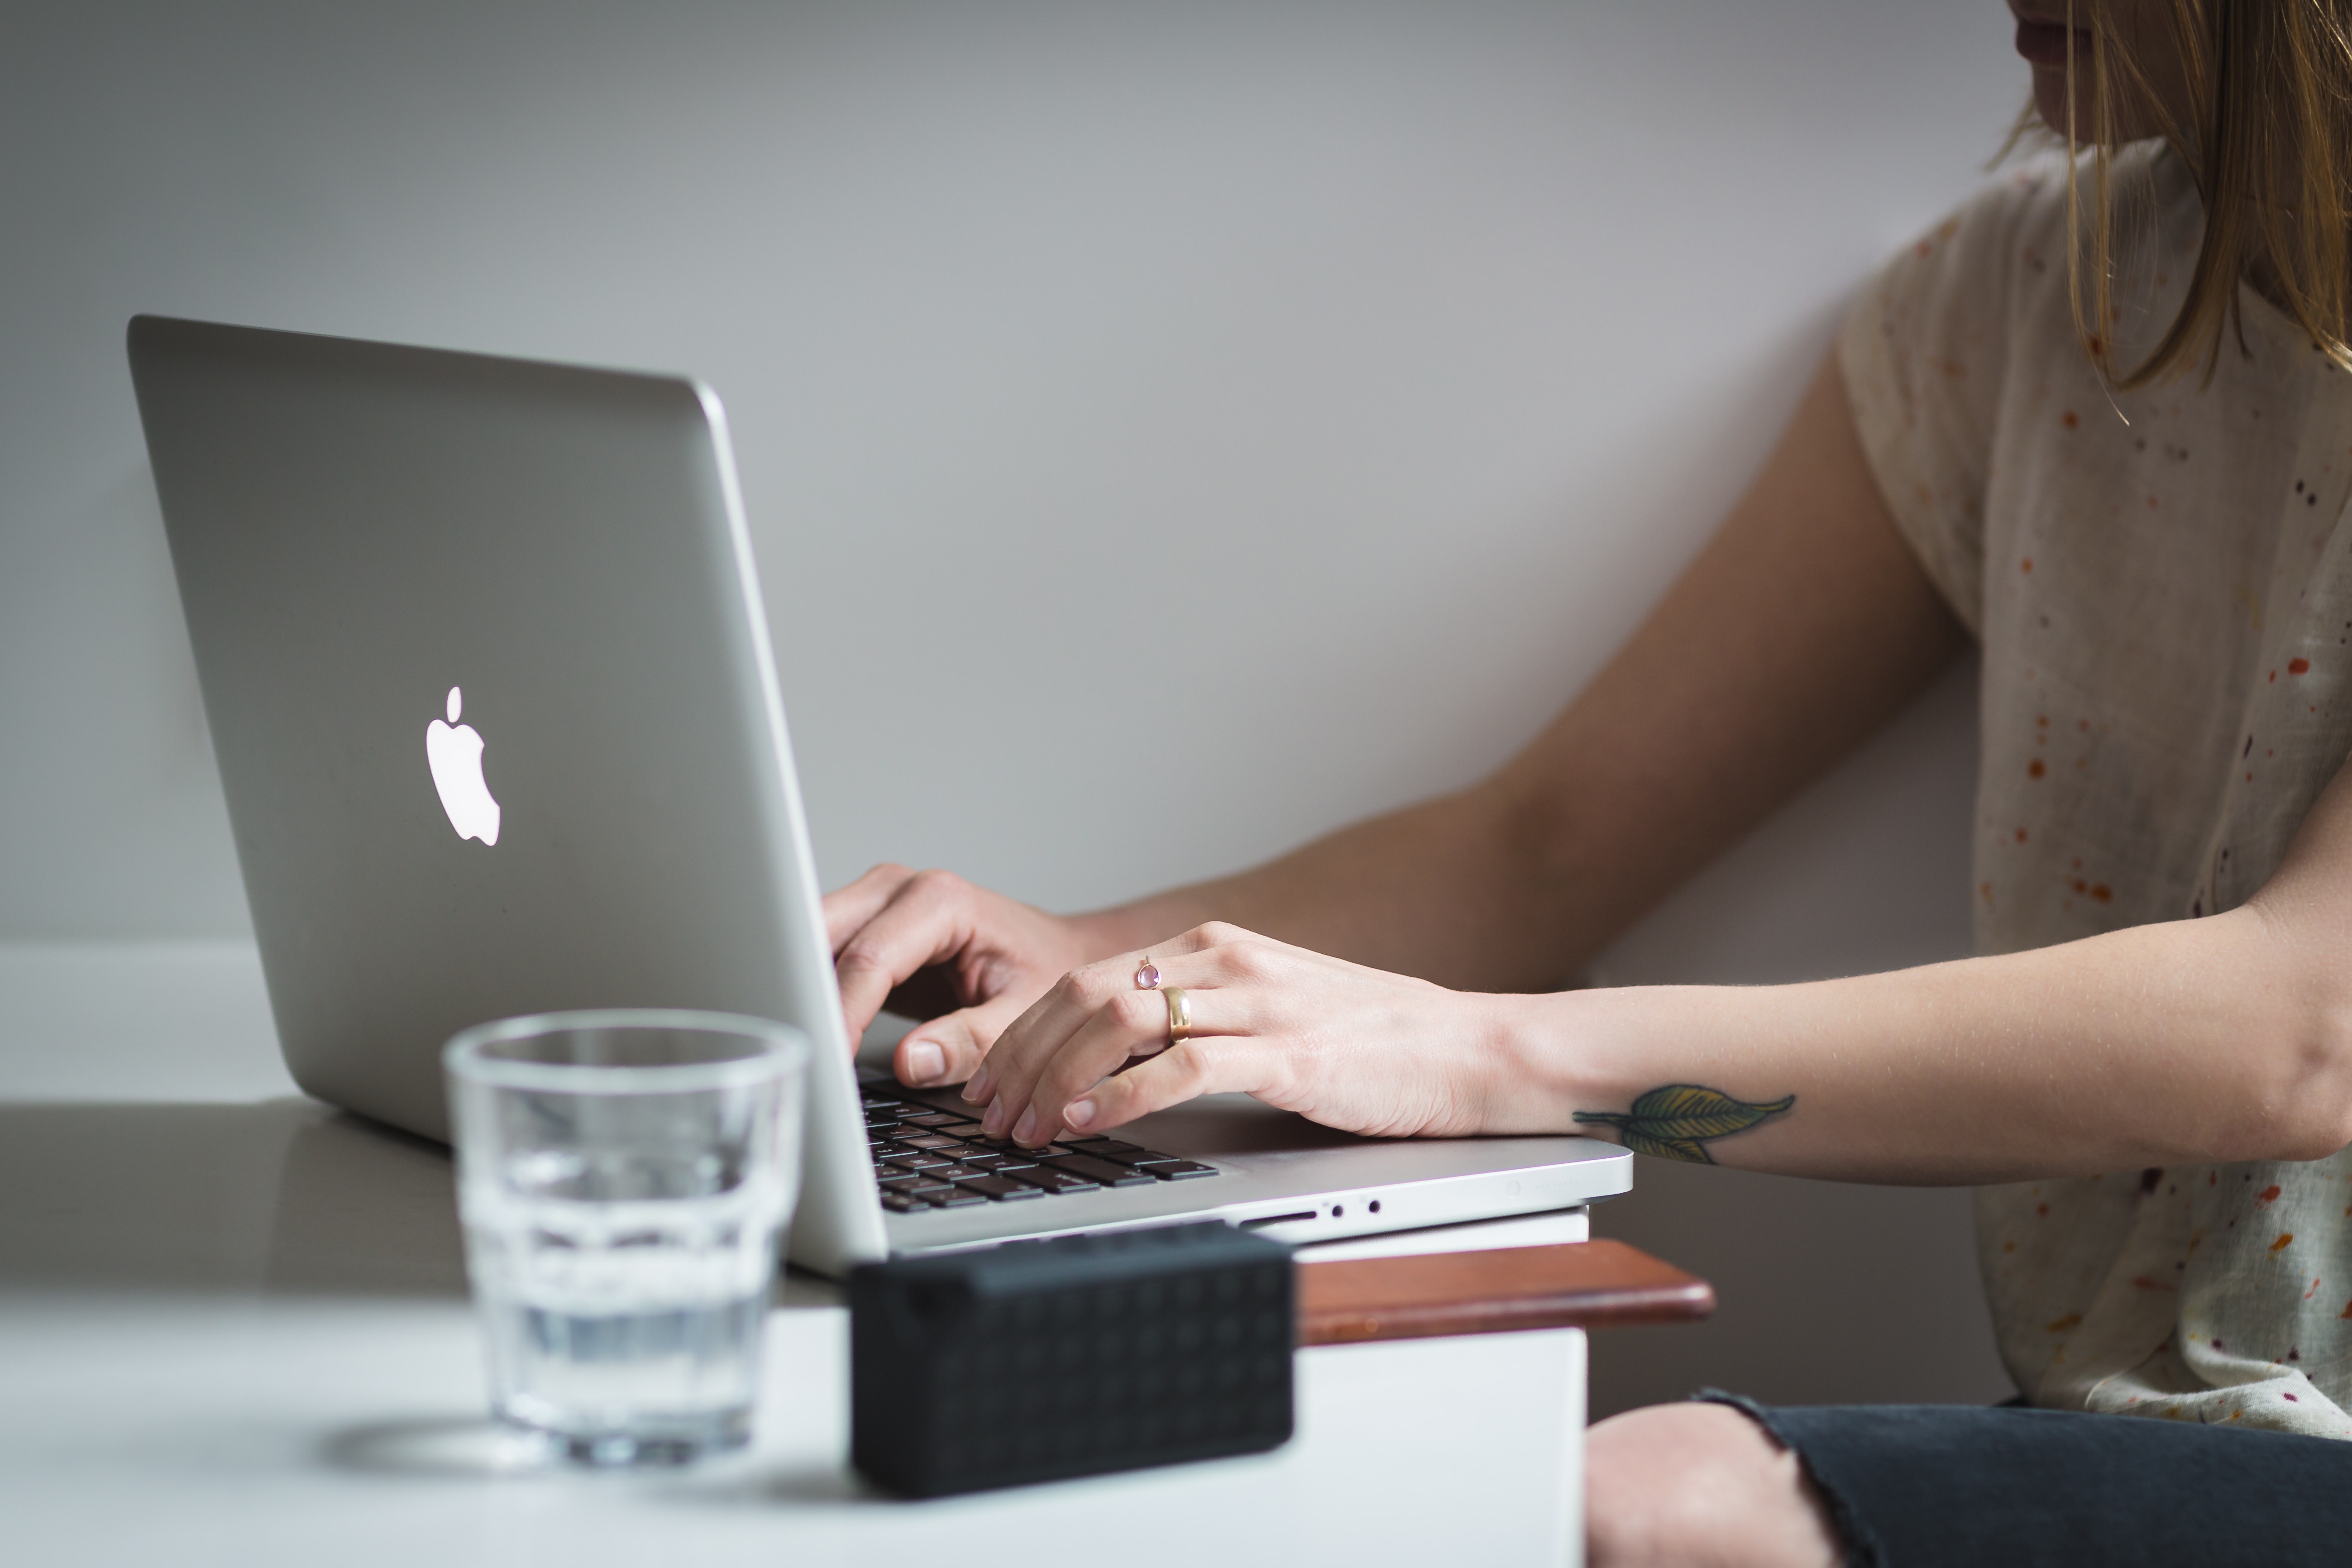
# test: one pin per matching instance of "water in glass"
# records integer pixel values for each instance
(622, 1244)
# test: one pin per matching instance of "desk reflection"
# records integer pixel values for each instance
(287, 1196)
(283, 1197)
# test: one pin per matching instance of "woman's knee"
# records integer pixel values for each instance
(1699, 1485)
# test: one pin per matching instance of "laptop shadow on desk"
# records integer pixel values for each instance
(284, 1197)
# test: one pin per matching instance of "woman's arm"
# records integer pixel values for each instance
(1801, 626)
(2194, 1042)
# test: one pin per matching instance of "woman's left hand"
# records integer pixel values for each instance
(1356, 1049)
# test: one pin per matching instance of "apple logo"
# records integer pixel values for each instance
(454, 750)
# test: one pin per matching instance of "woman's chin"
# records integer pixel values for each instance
(2050, 101)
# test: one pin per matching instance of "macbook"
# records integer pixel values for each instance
(486, 664)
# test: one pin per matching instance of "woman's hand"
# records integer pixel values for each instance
(1356, 1049)
(930, 945)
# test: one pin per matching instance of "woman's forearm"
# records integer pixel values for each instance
(1801, 628)
(2190, 1042)
(1440, 889)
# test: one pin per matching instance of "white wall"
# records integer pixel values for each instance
(1327, 386)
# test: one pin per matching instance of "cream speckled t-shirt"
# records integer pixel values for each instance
(2162, 585)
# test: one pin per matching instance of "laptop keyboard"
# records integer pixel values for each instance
(926, 1158)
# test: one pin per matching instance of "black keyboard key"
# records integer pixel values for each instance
(1007, 1146)
(924, 1116)
(1125, 1153)
(1047, 1179)
(954, 1198)
(1104, 1172)
(992, 1161)
(925, 1182)
(916, 1160)
(929, 1140)
(903, 1202)
(1176, 1170)
(1113, 1149)
(997, 1187)
(967, 1131)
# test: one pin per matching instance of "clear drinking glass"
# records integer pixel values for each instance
(623, 1176)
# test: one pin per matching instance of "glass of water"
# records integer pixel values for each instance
(623, 1176)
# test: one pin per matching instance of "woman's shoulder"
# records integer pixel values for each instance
(1968, 270)
(2001, 256)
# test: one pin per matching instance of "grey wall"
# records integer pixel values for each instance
(1330, 384)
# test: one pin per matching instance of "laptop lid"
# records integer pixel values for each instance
(486, 665)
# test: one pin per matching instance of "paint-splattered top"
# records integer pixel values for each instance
(2162, 584)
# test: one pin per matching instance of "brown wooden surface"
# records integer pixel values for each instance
(1587, 1284)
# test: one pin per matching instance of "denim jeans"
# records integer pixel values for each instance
(1927, 1486)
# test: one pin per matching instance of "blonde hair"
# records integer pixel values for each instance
(2269, 144)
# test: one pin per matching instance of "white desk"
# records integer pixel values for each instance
(234, 1330)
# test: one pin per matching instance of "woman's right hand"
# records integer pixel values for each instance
(966, 961)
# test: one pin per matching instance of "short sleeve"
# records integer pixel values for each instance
(1925, 352)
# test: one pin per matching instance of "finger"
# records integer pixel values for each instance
(1223, 1065)
(927, 921)
(1130, 1026)
(1035, 1038)
(846, 910)
(1050, 1021)
(1041, 1030)
(950, 1047)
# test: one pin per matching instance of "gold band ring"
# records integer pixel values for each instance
(1180, 1013)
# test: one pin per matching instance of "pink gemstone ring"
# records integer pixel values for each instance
(1147, 978)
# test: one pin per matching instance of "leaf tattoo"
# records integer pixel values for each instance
(1677, 1120)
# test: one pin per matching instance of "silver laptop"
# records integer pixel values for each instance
(488, 673)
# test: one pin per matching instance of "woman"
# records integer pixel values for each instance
(2098, 422)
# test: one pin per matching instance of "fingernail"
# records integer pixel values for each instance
(991, 1120)
(1026, 1128)
(975, 1091)
(925, 1062)
(1078, 1113)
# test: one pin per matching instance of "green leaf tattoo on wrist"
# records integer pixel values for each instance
(1680, 1119)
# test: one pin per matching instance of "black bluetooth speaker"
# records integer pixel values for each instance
(1039, 1360)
